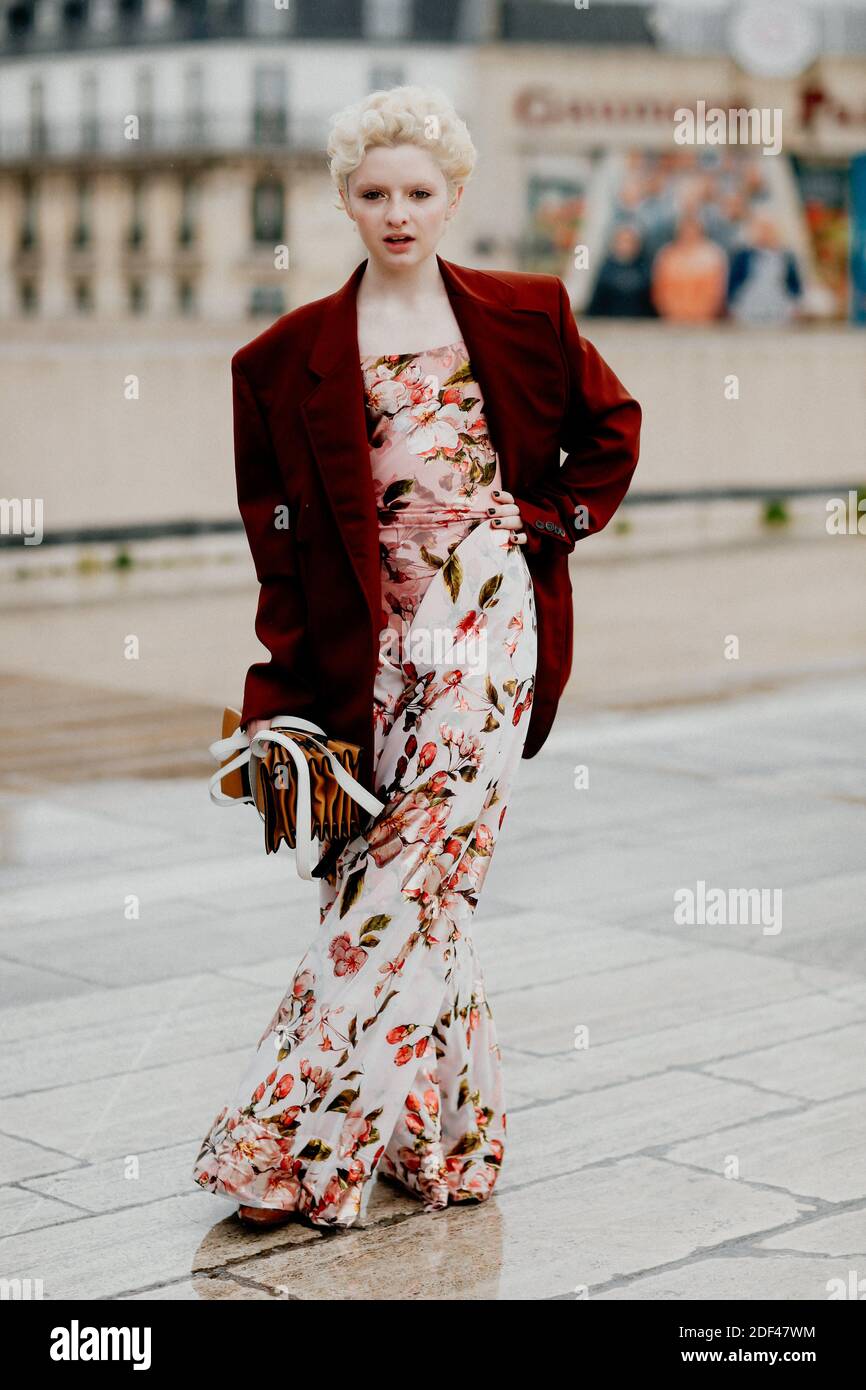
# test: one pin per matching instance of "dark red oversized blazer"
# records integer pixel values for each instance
(302, 452)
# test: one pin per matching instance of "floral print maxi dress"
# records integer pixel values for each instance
(383, 1052)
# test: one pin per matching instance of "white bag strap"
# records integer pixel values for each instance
(239, 740)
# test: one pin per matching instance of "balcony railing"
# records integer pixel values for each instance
(243, 132)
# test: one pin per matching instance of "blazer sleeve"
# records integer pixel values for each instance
(600, 433)
(283, 685)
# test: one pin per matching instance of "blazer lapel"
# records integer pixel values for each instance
(495, 333)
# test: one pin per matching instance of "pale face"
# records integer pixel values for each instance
(397, 192)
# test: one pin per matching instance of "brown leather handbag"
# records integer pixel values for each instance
(313, 793)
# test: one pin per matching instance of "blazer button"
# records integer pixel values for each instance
(539, 523)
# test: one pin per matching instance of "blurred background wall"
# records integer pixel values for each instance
(164, 196)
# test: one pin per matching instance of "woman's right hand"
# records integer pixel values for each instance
(256, 724)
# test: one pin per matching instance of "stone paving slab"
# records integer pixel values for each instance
(544, 1239)
(718, 1044)
(787, 1278)
(643, 999)
(91, 1053)
(843, 1234)
(817, 1149)
(817, 1067)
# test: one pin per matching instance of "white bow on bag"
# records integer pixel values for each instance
(248, 750)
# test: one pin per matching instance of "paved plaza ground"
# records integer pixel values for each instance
(706, 1138)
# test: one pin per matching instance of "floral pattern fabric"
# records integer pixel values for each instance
(382, 1056)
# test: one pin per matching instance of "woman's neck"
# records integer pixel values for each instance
(403, 289)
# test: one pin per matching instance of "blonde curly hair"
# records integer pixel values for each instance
(413, 115)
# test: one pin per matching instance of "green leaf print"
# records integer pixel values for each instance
(352, 890)
(489, 724)
(468, 402)
(452, 573)
(488, 589)
(368, 1023)
(395, 490)
(493, 694)
(430, 559)
(488, 471)
(344, 1100)
(475, 471)
(466, 1144)
(377, 923)
(463, 373)
(316, 1150)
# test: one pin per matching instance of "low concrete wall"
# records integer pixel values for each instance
(95, 457)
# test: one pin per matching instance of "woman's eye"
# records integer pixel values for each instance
(372, 193)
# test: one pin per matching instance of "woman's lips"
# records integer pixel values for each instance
(398, 245)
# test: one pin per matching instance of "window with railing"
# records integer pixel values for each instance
(268, 212)
(270, 119)
(267, 300)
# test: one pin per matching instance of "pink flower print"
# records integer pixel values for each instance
(387, 395)
(423, 389)
(318, 1077)
(480, 1181)
(467, 745)
(356, 1130)
(432, 828)
(426, 756)
(286, 1187)
(431, 1100)
(399, 1033)
(386, 850)
(402, 1056)
(391, 967)
(483, 839)
(248, 1146)
(436, 430)
(303, 982)
(347, 958)
(283, 1087)
(472, 623)
(451, 395)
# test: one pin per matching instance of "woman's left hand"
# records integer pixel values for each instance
(506, 514)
